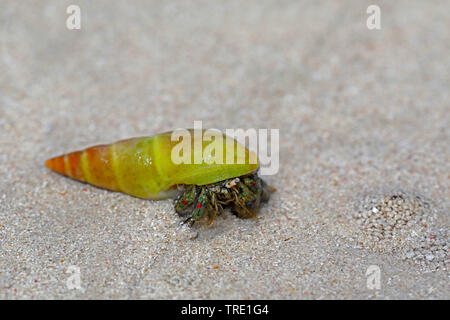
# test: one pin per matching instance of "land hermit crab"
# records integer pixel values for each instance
(144, 168)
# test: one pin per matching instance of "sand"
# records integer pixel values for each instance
(363, 118)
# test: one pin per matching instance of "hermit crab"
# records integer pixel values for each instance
(145, 168)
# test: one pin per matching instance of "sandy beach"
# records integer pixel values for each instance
(363, 183)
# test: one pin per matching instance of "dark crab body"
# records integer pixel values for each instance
(243, 195)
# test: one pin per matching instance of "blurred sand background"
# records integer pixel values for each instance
(362, 114)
